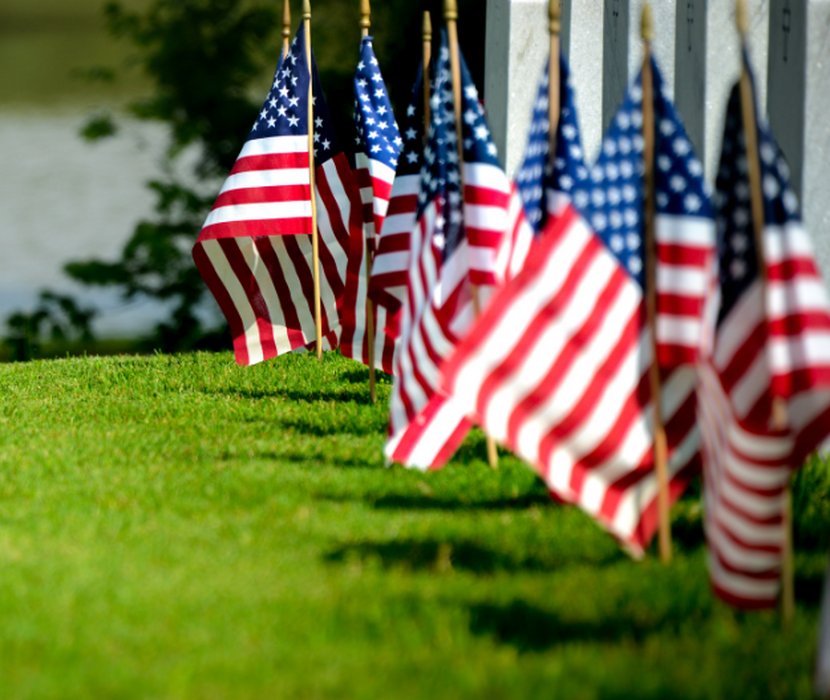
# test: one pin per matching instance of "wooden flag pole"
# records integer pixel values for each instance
(660, 442)
(315, 239)
(451, 18)
(555, 28)
(426, 32)
(365, 23)
(286, 27)
(779, 407)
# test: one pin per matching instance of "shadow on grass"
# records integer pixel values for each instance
(323, 425)
(325, 460)
(529, 628)
(808, 588)
(438, 556)
(427, 503)
(352, 394)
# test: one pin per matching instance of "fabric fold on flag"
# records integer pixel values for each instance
(770, 342)
(556, 369)
(378, 146)
(254, 250)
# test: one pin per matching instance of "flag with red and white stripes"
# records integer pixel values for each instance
(557, 367)
(254, 250)
(461, 221)
(556, 370)
(378, 146)
(390, 266)
(771, 344)
(684, 227)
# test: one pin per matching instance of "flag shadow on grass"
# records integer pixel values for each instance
(529, 628)
(442, 557)
(400, 502)
(347, 394)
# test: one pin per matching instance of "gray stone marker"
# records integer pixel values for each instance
(517, 44)
(690, 68)
(615, 29)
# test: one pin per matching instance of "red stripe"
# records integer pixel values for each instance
(402, 204)
(677, 305)
(257, 228)
(273, 161)
(684, 255)
(793, 269)
(263, 195)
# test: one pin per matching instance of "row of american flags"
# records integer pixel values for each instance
(520, 306)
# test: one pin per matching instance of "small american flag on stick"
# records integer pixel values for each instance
(771, 344)
(378, 145)
(254, 250)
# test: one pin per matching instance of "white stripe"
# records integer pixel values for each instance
(743, 586)
(477, 174)
(685, 230)
(490, 218)
(254, 179)
(799, 295)
(683, 280)
(265, 211)
(273, 145)
(678, 330)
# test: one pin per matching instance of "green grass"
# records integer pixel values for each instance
(179, 527)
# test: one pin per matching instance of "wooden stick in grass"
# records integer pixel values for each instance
(779, 407)
(315, 240)
(451, 18)
(286, 27)
(660, 443)
(426, 33)
(365, 23)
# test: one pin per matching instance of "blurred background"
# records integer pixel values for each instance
(99, 99)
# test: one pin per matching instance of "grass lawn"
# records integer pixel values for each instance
(179, 527)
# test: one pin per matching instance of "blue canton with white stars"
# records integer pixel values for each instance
(478, 144)
(612, 202)
(377, 131)
(285, 111)
(567, 171)
(410, 157)
(738, 262)
(326, 146)
(440, 174)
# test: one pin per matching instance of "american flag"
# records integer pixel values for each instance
(390, 267)
(537, 196)
(254, 250)
(454, 245)
(684, 225)
(768, 344)
(378, 145)
(556, 369)
(542, 181)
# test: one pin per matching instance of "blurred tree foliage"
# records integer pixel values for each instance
(211, 62)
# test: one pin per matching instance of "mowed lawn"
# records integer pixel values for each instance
(180, 527)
